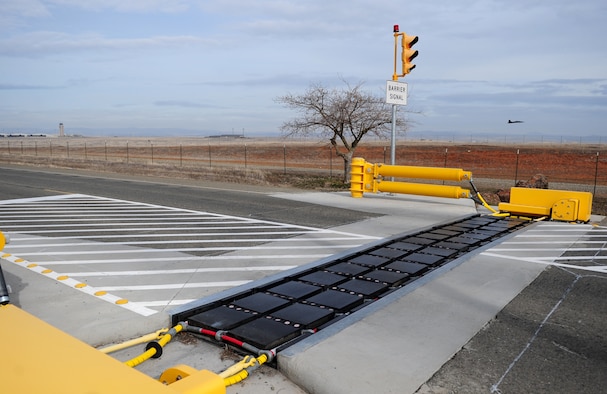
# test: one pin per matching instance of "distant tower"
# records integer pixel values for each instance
(61, 131)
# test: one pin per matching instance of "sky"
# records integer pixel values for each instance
(208, 67)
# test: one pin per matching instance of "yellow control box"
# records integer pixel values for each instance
(562, 205)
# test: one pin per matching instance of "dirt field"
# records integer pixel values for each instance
(313, 164)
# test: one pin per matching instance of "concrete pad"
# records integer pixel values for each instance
(403, 340)
(402, 213)
(398, 343)
(93, 321)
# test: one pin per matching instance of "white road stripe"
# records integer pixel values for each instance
(138, 229)
(185, 258)
(113, 225)
(215, 249)
(550, 230)
(552, 235)
(562, 250)
(80, 286)
(170, 286)
(162, 303)
(171, 235)
(549, 242)
(181, 271)
(600, 268)
(179, 242)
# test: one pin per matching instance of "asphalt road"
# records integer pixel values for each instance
(94, 226)
(238, 200)
(549, 339)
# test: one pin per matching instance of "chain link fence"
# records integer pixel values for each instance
(573, 167)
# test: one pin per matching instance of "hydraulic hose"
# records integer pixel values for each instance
(246, 362)
(154, 348)
(127, 344)
(481, 200)
(494, 212)
(244, 373)
(242, 369)
(223, 337)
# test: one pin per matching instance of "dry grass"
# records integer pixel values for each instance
(310, 164)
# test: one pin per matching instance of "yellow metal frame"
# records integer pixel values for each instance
(561, 205)
(367, 177)
(39, 358)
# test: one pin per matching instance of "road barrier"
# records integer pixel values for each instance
(368, 177)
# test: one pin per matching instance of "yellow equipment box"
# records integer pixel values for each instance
(562, 205)
(39, 358)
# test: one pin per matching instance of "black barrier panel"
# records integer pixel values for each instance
(290, 307)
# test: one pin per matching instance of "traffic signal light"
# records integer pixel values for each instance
(408, 54)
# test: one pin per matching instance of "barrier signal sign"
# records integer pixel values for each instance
(396, 93)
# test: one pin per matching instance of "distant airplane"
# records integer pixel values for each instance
(515, 121)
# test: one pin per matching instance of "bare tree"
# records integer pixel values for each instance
(345, 116)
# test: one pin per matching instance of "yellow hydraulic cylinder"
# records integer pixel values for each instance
(446, 174)
(423, 189)
(200, 382)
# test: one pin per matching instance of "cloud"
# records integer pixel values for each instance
(480, 60)
(170, 6)
(8, 86)
(25, 8)
(180, 103)
(273, 80)
(42, 43)
(14, 12)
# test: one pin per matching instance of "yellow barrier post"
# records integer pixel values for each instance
(361, 177)
(367, 177)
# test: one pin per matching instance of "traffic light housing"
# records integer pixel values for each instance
(408, 54)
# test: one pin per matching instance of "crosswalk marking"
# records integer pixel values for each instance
(146, 257)
(580, 247)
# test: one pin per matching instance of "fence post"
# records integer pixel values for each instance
(330, 162)
(245, 155)
(596, 172)
(445, 165)
(284, 158)
(516, 168)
